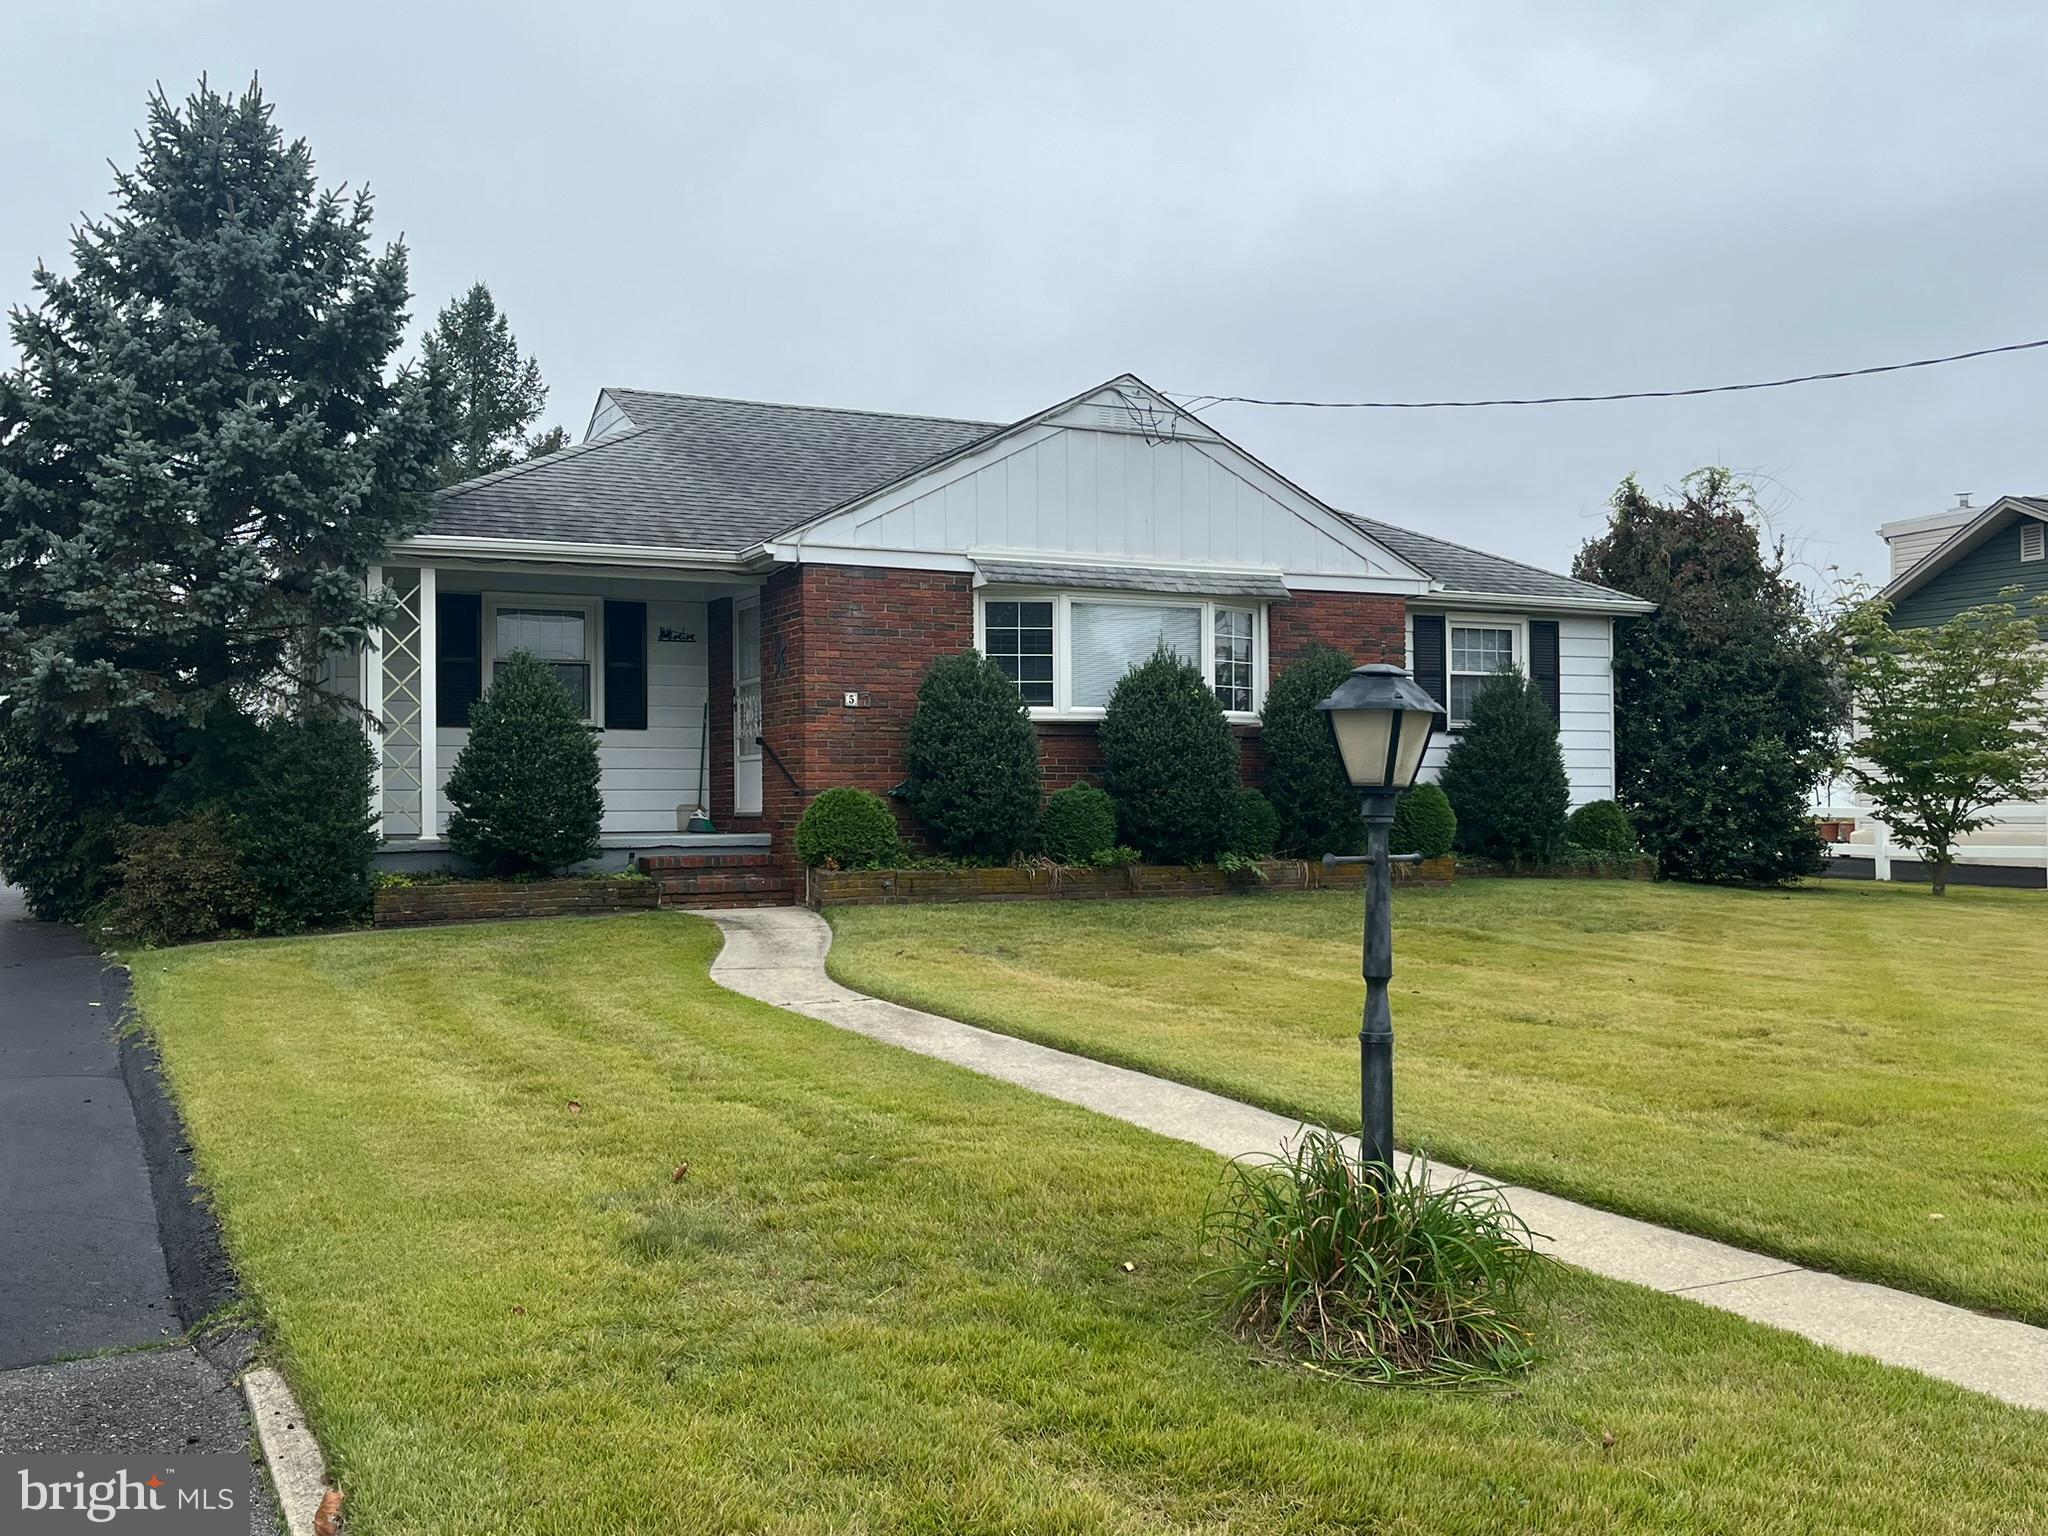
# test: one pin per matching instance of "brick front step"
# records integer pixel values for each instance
(666, 863)
(722, 880)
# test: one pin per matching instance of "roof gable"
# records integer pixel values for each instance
(1118, 472)
(2002, 513)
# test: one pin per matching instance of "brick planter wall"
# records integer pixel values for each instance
(896, 887)
(469, 901)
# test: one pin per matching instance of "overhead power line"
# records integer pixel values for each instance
(1203, 402)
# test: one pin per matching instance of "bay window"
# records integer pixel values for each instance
(1067, 653)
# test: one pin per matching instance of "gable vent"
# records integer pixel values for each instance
(2033, 540)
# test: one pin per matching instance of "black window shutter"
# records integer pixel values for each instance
(625, 666)
(1543, 663)
(458, 655)
(1432, 663)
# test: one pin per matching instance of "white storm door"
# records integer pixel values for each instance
(746, 707)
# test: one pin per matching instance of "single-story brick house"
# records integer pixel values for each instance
(760, 588)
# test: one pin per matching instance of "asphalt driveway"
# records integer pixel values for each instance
(84, 1267)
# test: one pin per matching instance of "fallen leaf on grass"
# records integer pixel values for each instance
(682, 1172)
(575, 1108)
(327, 1518)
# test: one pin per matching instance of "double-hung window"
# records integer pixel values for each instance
(558, 636)
(1067, 652)
(1479, 651)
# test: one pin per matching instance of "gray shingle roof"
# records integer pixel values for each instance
(699, 472)
(1471, 570)
(696, 472)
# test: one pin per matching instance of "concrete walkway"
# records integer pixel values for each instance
(777, 955)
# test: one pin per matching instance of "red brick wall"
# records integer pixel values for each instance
(829, 630)
(1365, 628)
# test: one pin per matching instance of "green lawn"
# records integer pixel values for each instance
(890, 1295)
(1852, 1076)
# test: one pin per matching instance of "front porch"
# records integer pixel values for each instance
(666, 669)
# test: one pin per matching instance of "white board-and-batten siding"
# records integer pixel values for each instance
(1072, 487)
(1585, 707)
(644, 775)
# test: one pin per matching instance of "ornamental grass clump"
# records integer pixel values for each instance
(1407, 1286)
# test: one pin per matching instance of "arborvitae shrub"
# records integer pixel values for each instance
(1505, 776)
(303, 828)
(1424, 823)
(1317, 807)
(848, 829)
(1170, 763)
(1258, 825)
(1078, 825)
(972, 759)
(524, 792)
(1602, 826)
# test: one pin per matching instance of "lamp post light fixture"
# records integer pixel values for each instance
(1380, 719)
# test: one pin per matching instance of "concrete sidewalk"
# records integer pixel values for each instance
(777, 955)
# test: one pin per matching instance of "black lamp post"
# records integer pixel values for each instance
(1380, 719)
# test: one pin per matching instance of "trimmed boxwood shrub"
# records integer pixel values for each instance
(1505, 776)
(1258, 826)
(972, 759)
(1424, 823)
(1169, 762)
(1603, 827)
(1317, 807)
(524, 791)
(848, 829)
(1078, 825)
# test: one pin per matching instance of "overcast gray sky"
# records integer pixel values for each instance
(977, 211)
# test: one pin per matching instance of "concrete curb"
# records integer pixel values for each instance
(777, 955)
(297, 1469)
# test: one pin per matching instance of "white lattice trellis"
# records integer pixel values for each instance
(402, 707)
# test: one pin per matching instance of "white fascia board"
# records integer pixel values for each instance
(1592, 607)
(1382, 586)
(794, 552)
(570, 552)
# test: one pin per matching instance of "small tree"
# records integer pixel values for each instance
(1305, 780)
(495, 395)
(1729, 704)
(1169, 762)
(1505, 776)
(1953, 720)
(973, 759)
(524, 791)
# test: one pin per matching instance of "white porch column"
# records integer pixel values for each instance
(373, 701)
(430, 794)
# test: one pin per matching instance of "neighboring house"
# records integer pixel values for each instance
(760, 588)
(1941, 565)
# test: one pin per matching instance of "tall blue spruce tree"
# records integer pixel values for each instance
(205, 443)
